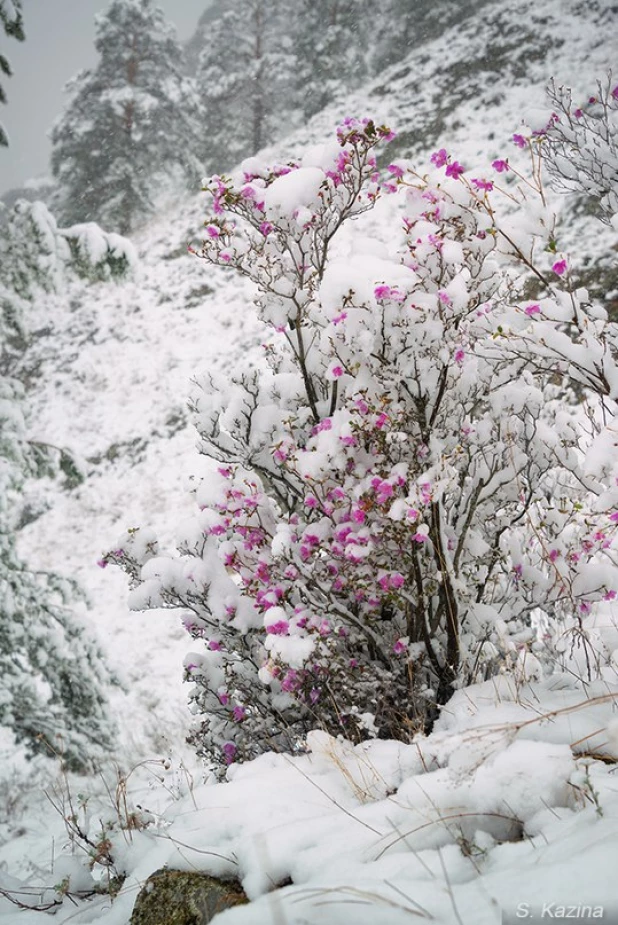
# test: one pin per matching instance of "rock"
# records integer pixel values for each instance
(177, 897)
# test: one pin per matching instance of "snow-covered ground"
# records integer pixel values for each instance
(513, 799)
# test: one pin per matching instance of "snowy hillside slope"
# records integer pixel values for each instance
(111, 373)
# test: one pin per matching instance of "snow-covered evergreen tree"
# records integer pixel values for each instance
(12, 22)
(129, 121)
(330, 47)
(244, 80)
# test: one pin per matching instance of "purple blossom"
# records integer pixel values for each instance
(400, 647)
(485, 185)
(519, 140)
(439, 158)
(229, 752)
(280, 628)
(395, 170)
(290, 681)
(454, 170)
(386, 134)
(500, 166)
(381, 420)
(559, 267)
(102, 563)
(533, 310)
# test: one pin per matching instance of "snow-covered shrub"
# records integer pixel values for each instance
(35, 254)
(97, 255)
(580, 144)
(401, 496)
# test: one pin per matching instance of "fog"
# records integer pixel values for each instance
(59, 43)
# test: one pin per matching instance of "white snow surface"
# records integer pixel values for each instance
(512, 799)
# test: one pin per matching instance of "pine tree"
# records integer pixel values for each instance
(128, 121)
(244, 80)
(12, 22)
(330, 46)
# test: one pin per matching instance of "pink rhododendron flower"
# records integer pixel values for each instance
(485, 185)
(400, 647)
(280, 628)
(559, 267)
(454, 170)
(229, 752)
(533, 310)
(439, 158)
(381, 420)
(395, 170)
(519, 140)
(500, 166)
(614, 517)
(337, 371)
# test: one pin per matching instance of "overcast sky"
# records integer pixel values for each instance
(59, 42)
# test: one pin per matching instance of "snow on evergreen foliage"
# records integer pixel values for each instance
(36, 255)
(244, 79)
(404, 496)
(129, 121)
(11, 20)
(330, 42)
(53, 676)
